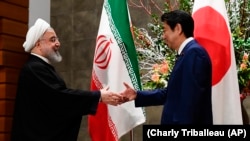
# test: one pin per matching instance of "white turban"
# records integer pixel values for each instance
(34, 33)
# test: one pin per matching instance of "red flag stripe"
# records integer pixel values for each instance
(105, 122)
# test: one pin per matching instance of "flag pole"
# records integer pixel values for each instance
(131, 135)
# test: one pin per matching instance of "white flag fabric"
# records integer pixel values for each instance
(115, 62)
(213, 32)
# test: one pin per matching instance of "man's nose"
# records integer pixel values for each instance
(58, 44)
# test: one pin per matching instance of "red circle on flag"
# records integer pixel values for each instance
(212, 33)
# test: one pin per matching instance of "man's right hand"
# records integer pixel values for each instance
(129, 93)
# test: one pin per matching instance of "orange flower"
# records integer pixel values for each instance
(155, 77)
(156, 67)
(164, 67)
(243, 66)
(245, 57)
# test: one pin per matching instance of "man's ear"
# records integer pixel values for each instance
(178, 28)
(37, 43)
(37, 46)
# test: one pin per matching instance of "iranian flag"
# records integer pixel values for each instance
(115, 62)
(213, 32)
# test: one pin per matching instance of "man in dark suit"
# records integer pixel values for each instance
(187, 97)
(46, 109)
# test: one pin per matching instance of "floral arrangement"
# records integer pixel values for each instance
(244, 76)
(239, 13)
(156, 59)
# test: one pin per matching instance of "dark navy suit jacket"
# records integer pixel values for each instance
(187, 98)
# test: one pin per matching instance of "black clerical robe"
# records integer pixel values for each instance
(45, 109)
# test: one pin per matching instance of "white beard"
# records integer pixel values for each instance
(55, 57)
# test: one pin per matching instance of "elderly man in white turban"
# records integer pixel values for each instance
(45, 109)
(35, 34)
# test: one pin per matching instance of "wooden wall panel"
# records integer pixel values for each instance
(14, 28)
(5, 124)
(11, 43)
(6, 107)
(9, 75)
(12, 59)
(8, 91)
(4, 137)
(14, 12)
(23, 3)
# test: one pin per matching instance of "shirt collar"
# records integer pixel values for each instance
(43, 58)
(184, 44)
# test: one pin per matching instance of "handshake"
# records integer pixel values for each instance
(115, 99)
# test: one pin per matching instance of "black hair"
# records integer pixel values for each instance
(186, 21)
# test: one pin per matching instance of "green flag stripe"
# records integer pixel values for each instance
(120, 26)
